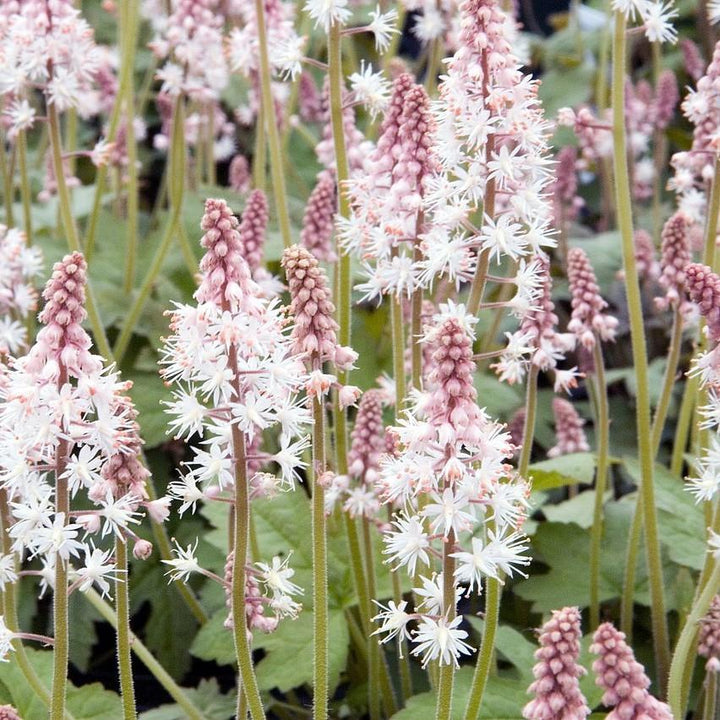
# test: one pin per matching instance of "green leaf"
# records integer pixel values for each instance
(504, 699)
(149, 393)
(214, 641)
(512, 646)
(578, 510)
(294, 640)
(564, 470)
(207, 696)
(680, 519)
(566, 549)
(88, 702)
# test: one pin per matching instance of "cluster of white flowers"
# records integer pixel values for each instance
(19, 264)
(456, 491)
(188, 36)
(47, 44)
(231, 362)
(68, 426)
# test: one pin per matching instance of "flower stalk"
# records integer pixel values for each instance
(639, 351)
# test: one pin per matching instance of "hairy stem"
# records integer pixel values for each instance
(276, 164)
(147, 659)
(122, 605)
(685, 648)
(603, 452)
(320, 589)
(25, 193)
(624, 214)
(443, 708)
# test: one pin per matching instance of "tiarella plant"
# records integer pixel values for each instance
(373, 337)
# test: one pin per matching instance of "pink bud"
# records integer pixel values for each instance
(90, 522)
(159, 510)
(348, 395)
(142, 549)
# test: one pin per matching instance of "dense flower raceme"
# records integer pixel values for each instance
(66, 418)
(233, 364)
(557, 672)
(623, 679)
(449, 477)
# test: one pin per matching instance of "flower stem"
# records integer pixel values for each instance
(624, 214)
(176, 174)
(493, 592)
(685, 644)
(443, 709)
(343, 282)
(25, 185)
(273, 138)
(711, 692)
(7, 184)
(320, 589)
(241, 543)
(61, 650)
(682, 427)
(122, 605)
(68, 222)
(603, 451)
(147, 659)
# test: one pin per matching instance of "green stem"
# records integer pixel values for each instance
(374, 654)
(416, 322)
(25, 193)
(685, 648)
(129, 35)
(603, 452)
(669, 380)
(146, 657)
(343, 283)
(61, 631)
(443, 708)
(493, 592)
(68, 222)
(260, 154)
(320, 588)
(7, 184)
(624, 213)
(682, 428)
(276, 163)
(711, 690)
(631, 559)
(127, 68)
(398, 344)
(176, 191)
(241, 544)
(529, 424)
(122, 604)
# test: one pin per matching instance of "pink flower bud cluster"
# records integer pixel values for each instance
(569, 431)
(254, 602)
(20, 263)
(588, 321)
(567, 203)
(645, 256)
(676, 257)
(368, 437)
(709, 636)
(252, 230)
(623, 679)
(239, 174)
(703, 287)
(314, 332)
(557, 672)
(692, 59)
(319, 218)
(309, 99)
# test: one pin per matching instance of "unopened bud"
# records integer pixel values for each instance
(142, 549)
